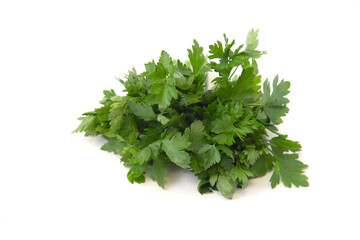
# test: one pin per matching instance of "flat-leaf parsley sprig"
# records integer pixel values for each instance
(170, 117)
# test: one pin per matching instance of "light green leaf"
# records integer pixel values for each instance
(221, 125)
(226, 186)
(88, 124)
(166, 62)
(116, 113)
(164, 94)
(142, 110)
(213, 179)
(197, 59)
(204, 148)
(155, 147)
(225, 138)
(141, 157)
(252, 40)
(162, 119)
(136, 172)
(252, 155)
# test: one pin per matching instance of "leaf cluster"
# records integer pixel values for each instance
(171, 117)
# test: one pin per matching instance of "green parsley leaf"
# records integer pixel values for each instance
(243, 88)
(142, 110)
(252, 155)
(135, 174)
(164, 93)
(141, 157)
(196, 135)
(175, 149)
(158, 172)
(161, 118)
(275, 103)
(116, 113)
(204, 186)
(226, 186)
(225, 138)
(198, 59)
(211, 157)
(285, 144)
(240, 174)
(262, 165)
(289, 170)
(114, 145)
(213, 179)
(251, 41)
(87, 125)
(166, 62)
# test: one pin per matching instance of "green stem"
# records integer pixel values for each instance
(254, 104)
(233, 72)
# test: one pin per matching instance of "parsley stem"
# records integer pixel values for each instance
(254, 104)
(233, 72)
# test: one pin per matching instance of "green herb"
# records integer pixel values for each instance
(170, 116)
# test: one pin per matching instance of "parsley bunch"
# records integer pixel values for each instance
(171, 116)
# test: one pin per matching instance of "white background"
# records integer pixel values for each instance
(56, 58)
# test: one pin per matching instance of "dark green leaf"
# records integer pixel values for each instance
(212, 156)
(175, 149)
(204, 187)
(114, 145)
(275, 103)
(290, 170)
(158, 172)
(196, 135)
(285, 144)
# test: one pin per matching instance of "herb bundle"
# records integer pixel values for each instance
(171, 116)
